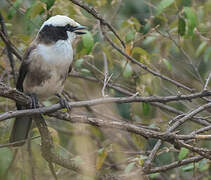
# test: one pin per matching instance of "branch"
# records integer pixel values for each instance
(98, 101)
(47, 147)
(143, 66)
(9, 54)
(103, 22)
(156, 104)
(148, 162)
(13, 94)
(175, 164)
(167, 136)
(98, 17)
(12, 47)
(207, 81)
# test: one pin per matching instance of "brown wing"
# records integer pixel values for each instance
(70, 69)
(24, 67)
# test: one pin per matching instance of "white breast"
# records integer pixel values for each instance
(55, 60)
(60, 52)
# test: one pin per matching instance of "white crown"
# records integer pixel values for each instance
(60, 20)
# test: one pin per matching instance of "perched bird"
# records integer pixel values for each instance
(45, 67)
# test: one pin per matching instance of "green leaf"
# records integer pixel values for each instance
(130, 36)
(85, 72)
(23, 176)
(77, 159)
(47, 103)
(183, 153)
(207, 54)
(186, 2)
(148, 40)
(201, 48)
(145, 108)
(141, 159)
(154, 175)
(88, 41)
(163, 5)
(167, 63)
(37, 8)
(138, 50)
(136, 23)
(49, 3)
(129, 167)
(191, 19)
(143, 54)
(102, 154)
(203, 165)
(128, 71)
(181, 26)
(78, 63)
(12, 10)
(188, 167)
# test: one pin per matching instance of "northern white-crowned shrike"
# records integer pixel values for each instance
(45, 66)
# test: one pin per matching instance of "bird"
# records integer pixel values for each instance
(45, 67)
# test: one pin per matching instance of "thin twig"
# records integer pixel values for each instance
(106, 79)
(5, 175)
(31, 160)
(175, 164)
(15, 143)
(162, 106)
(50, 164)
(9, 54)
(143, 66)
(183, 52)
(12, 47)
(207, 82)
(107, 100)
(92, 11)
(151, 157)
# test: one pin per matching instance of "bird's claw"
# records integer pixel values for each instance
(63, 102)
(34, 101)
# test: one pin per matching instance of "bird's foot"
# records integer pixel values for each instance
(63, 102)
(34, 100)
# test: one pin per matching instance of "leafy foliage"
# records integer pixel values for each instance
(171, 37)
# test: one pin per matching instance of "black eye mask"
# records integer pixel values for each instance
(75, 29)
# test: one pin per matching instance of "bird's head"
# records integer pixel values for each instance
(59, 27)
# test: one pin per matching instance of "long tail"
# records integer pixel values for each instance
(20, 128)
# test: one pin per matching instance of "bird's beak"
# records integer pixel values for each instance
(78, 28)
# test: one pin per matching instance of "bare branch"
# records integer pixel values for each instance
(207, 82)
(13, 94)
(9, 54)
(97, 16)
(106, 73)
(143, 66)
(156, 104)
(12, 47)
(93, 102)
(175, 164)
(17, 142)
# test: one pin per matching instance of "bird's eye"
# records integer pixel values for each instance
(67, 27)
